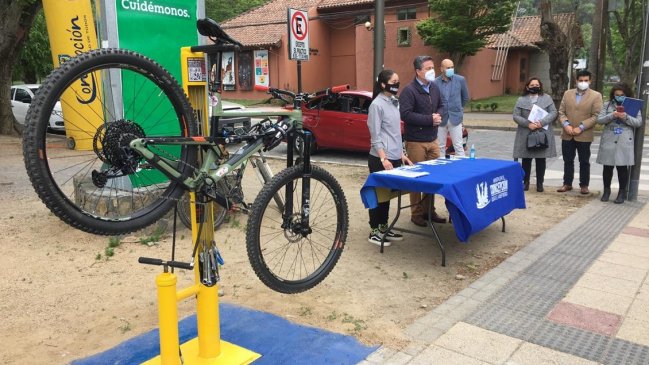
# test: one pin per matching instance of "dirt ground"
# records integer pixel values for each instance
(64, 299)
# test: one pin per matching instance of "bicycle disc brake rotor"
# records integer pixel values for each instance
(115, 150)
(293, 231)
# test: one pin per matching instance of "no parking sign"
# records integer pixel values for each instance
(298, 35)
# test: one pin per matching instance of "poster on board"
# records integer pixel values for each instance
(227, 71)
(245, 70)
(261, 68)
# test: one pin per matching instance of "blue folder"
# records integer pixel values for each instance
(632, 106)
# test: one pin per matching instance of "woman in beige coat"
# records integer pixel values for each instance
(616, 144)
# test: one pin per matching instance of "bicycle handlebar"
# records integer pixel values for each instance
(160, 262)
(328, 91)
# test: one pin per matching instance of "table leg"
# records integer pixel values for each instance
(503, 219)
(432, 227)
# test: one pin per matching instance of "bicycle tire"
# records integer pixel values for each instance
(184, 213)
(326, 251)
(65, 179)
(268, 176)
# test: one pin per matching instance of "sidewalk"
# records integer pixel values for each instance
(578, 294)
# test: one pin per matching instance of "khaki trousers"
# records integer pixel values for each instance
(417, 152)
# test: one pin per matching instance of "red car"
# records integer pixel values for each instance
(341, 122)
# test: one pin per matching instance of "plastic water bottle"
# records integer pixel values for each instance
(472, 152)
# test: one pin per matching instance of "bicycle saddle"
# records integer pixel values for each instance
(212, 29)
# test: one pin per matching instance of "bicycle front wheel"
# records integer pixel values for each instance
(286, 255)
(88, 175)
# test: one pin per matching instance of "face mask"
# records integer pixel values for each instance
(392, 88)
(449, 72)
(534, 89)
(619, 99)
(583, 85)
(430, 75)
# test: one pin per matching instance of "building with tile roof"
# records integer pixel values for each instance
(341, 48)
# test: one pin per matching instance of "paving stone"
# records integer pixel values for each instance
(627, 353)
(598, 299)
(439, 355)
(415, 348)
(631, 245)
(478, 343)
(531, 354)
(637, 262)
(585, 318)
(639, 310)
(571, 340)
(507, 321)
(635, 331)
(617, 271)
(608, 284)
(380, 355)
(399, 358)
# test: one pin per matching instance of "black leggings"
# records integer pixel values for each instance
(379, 215)
(540, 169)
(622, 176)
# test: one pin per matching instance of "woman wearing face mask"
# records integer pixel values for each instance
(616, 146)
(386, 150)
(533, 95)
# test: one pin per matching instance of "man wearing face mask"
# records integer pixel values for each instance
(420, 105)
(455, 95)
(578, 115)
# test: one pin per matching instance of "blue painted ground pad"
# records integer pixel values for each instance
(276, 339)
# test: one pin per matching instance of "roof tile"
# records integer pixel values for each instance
(526, 31)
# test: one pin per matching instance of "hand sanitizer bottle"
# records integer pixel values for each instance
(472, 152)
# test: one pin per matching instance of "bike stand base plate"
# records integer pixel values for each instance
(231, 354)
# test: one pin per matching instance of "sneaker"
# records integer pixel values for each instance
(389, 235)
(375, 238)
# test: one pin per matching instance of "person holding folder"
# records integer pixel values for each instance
(616, 146)
(534, 110)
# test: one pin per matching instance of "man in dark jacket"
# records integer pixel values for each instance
(420, 104)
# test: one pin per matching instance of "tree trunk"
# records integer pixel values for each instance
(594, 57)
(16, 19)
(557, 46)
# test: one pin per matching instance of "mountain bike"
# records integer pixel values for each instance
(231, 187)
(143, 156)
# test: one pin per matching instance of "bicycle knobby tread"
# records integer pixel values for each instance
(34, 130)
(254, 221)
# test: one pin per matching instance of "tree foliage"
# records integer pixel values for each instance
(462, 27)
(35, 58)
(221, 10)
(625, 40)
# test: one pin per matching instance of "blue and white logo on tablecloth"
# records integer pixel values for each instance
(498, 189)
(482, 194)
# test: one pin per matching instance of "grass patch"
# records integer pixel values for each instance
(504, 104)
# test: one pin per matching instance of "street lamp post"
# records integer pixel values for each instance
(379, 31)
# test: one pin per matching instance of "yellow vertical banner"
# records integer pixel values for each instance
(71, 30)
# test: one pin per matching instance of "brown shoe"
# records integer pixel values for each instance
(437, 219)
(584, 190)
(418, 220)
(564, 188)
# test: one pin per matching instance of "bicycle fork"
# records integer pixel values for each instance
(303, 228)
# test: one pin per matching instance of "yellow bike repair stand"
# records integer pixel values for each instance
(207, 348)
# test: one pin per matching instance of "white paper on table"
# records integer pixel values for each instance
(438, 161)
(537, 113)
(403, 172)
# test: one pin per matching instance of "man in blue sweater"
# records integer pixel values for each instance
(455, 95)
(420, 105)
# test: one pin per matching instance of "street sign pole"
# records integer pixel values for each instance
(298, 40)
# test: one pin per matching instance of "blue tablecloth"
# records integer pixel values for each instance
(477, 191)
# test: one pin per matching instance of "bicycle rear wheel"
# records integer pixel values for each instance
(90, 177)
(184, 212)
(284, 255)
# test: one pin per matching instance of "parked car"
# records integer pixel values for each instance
(340, 122)
(21, 97)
